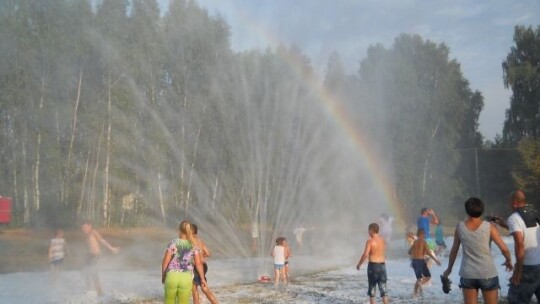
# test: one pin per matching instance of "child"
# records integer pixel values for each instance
(439, 240)
(418, 251)
(57, 250)
(279, 261)
(288, 254)
(410, 239)
(376, 271)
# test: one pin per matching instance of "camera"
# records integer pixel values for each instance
(491, 218)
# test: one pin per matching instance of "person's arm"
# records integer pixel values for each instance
(365, 255)
(204, 250)
(499, 221)
(50, 250)
(288, 252)
(100, 239)
(453, 254)
(519, 247)
(430, 253)
(166, 260)
(494, 234)
(434, 219)
(199, 268)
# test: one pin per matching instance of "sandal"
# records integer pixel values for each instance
(445, 284)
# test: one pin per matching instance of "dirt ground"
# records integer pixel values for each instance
(23, 250)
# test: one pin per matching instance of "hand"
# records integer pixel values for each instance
(115, 249)
(508, 265)
(163, 275)
(438, 262)
(516, 277)
(357, 266)
(203, 283)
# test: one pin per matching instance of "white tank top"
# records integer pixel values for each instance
(476, 261)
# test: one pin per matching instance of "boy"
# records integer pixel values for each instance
(94, 241)
(374, 252)
(418, 251)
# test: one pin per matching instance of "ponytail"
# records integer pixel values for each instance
(186, 229)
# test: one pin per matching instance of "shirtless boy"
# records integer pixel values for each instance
(376, 271)
(94, 239)
(418, 251)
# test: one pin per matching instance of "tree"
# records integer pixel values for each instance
(426, 102)
(522, 75)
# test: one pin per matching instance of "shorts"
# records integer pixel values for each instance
(529, 285)
(57, 262)
(286, 263)
(420, 268)
(376, 273)
(482, 284)
(278, 266)
(196, 277)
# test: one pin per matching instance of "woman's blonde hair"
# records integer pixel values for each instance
(186, 229)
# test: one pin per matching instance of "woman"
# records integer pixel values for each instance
(180, 259)
(477, 267)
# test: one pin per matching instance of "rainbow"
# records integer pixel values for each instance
(381, 181)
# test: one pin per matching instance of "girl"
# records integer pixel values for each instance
(180, 259)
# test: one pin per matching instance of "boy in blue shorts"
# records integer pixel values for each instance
(374, 252)
(418, 251)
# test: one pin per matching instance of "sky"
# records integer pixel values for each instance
(479, 34)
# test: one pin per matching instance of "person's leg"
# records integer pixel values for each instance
(470, 295)
(170, 287)
(371, 300)
(209, 295)
(276, 275)
(185, 283)
(417, 288)
(195, 293)
(524, 291)
(490, 296)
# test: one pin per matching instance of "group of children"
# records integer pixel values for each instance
(281, 254)
(374, 253)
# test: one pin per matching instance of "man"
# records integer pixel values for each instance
(94, 239)
(299, 234)
(427, 218)
(525, 280)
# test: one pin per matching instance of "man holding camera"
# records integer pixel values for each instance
(525, 280)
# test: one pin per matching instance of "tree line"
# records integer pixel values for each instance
(127, 115)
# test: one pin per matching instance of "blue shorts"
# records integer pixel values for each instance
(376, 273)
(420, 269)
(278, 266)
(529, 285)
(482, 284)
(196, 277)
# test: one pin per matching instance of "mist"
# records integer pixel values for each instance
(135, 117)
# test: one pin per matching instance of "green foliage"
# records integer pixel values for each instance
(95, 105)
(522, 75)
(426, 109)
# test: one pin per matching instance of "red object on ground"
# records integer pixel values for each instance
(264, 278)
(5, 210)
